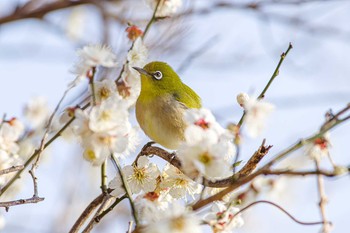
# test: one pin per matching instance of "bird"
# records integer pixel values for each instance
(162, 102)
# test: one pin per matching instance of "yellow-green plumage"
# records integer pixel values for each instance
(161, 104)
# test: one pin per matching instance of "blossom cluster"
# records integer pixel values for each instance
(208, 149)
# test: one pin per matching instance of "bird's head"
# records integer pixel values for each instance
(158, 77)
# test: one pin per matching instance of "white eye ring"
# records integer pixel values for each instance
(158, 75)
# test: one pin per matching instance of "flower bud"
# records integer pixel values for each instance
(242, 99)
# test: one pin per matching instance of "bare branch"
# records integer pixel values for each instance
(281, 209)
(86, 213)
(11, 169)
(40, 12)
(8, 204)
(323, 200)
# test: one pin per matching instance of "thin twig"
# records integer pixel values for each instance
(127, 189)
(281, 209)
(274, 75)
(11, 169)
(110, 208)
(104, 177)
(254, 160)
(326, 228)
(8, 204)
(33, 156)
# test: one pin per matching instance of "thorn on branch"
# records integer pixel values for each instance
(254, 160)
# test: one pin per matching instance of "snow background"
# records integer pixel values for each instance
(35, 59)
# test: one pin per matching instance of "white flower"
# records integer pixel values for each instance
(223, 218)
(111, 116)
(142, 176)
(37, 112)
(97, 55)
(319, 148)
(8, 138)
(207, 148)
(178, 184)
(92, 56)
(117, 185)
(256, 114)
(130, 86)
(105, 130)
(151, 207)
(105, 89)
(138, 54)
(175, 220)
(201, 124)
(96, 149)
(166, 7)
(205, 158)
(80, 125)
(242, 99)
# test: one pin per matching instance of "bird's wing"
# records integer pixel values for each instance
(187, 97)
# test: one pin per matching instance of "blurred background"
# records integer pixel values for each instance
(219, 48)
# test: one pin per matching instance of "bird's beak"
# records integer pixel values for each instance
(142, 71)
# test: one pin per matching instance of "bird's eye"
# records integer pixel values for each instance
(158, 75)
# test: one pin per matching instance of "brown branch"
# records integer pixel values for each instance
(40, 12)
(87, 212)
(280, 208)
(93, 221)
(8, 204)
(11, 169)
(250, 166)
(234, 185)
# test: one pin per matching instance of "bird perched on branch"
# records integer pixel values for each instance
(162, 102)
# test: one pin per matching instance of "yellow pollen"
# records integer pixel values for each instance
(104, 93)
(181, 182)
(205, 158)
(90, 154)
(178, 223)
(139, 174)
(105, 115)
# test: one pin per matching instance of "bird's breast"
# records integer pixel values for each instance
(162, 120)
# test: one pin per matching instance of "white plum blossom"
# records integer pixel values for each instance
(117, 185)
(208, 148)
(176, 219)
(109, 117)
(256, 113)
(130, 85)
(222, 217)
(177, 184)
(151, 206)
(105, 89)
(89, 57)
(97, 55)
(204, 158)
(142, 176)
(105, 129)
(166, 7)
(10, 133)
(319, 148)
(138, 54)
(37, 112)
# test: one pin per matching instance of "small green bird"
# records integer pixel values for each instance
(162, 102)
